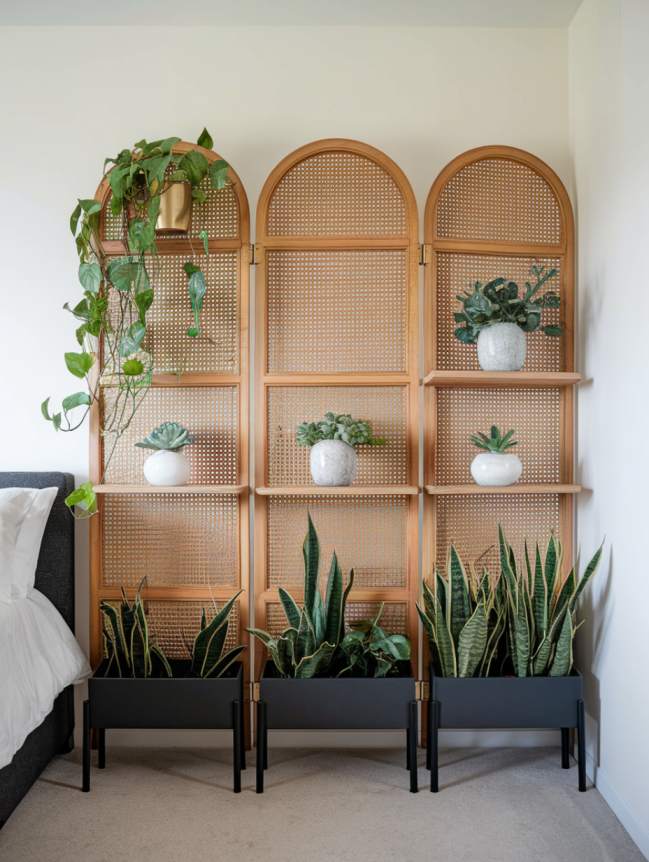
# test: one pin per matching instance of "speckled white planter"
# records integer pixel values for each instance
(166, 467)
(495, 468)
(333, 463)
(502, 347)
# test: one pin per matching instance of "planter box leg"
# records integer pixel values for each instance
(412, 745)
(581, 745)
(101, 748)
(565, 748)
(85, 769)
(242, 734)
(262, 742)
(429, 731)
(408, 741)
(236, 745)
(433, 742)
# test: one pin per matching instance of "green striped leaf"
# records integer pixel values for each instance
(458, 610)
(472, 642)
(591, 568)
(562, 662)
(291, 608)
(311, 555)
(333, 607)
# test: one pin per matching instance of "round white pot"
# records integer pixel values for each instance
(333, 462)
(166, 467)
(495, 468)
(502, 347)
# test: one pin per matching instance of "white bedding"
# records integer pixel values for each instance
(39, 657)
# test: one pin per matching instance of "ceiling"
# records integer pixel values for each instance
(441, 13)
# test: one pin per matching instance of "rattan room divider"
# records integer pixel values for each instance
(191, 542)
(336, 329)
(496, 211)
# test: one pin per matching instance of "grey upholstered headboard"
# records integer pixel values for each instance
(55, 569)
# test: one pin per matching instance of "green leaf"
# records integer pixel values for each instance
(196, 288)
(45, 410)
(311, 555)
(472, 642)
(143, 301)
(311, 665)
(591, 568)
(540, 659)
(205, 140)
(168, 144)
(74, 219)
(562, 662)
(220, 667)
(123, 272)
(79, 399)
(141, 235)
(459, 608)
(132, 340)
(219, 174)
(291, 609)
(83, 498)
(79, 364)
(205, 240)
(195, 166)
(540, 595)
(551, 565)
(552, 330)
(90, 276)
(90, 206)
(132, 368)
(333, 608)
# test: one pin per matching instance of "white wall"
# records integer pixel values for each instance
(71, 96)
(609, 92)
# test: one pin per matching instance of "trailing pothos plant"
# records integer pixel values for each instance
(118, 292)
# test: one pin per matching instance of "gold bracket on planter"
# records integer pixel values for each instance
(424, 254)
(254, 692)
(422, 690)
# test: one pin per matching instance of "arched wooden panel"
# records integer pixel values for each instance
(496, 211)
(192, 542)
(336, 329)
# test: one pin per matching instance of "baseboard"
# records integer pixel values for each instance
(639, 833)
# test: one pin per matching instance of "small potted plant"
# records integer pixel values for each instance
(137, 686)
(497, 318)
(319, 678)
(168, 465)
(495, 465)
(502, 648)
(333, 441)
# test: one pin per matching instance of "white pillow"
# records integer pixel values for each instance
(23, 516)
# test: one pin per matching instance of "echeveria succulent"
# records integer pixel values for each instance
(169, 435)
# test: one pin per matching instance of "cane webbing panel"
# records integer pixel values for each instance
(394, 618)
(219, 216)
(457, 273)
(368, 535)
(172, 539)
(384, 406)
(332, 311)
(336, 194)
(471, 524)
(532, 413)
(498, 199)
(174, 624)
(210, 414)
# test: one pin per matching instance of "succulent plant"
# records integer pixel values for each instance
(310, 646)
(338, 426)
(128, 643)
(208, 658)
(369, 651)
(495, 442)
(169, 435)
(498, 301)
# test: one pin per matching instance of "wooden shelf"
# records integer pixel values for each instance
(338, 490)
(170, 489)
(501, 378)
(550, 488)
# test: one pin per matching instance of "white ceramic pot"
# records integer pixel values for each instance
(166, 467)
(333, 462)
(502, 347)
(496, 468)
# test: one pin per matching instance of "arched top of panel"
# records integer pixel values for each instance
(224, 214)
(336, 188)
(499, 194)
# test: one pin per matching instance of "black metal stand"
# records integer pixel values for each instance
(432, 753)
(262, 744)
(85, 786)
(581, 746)
(411, 744)
(565, 748)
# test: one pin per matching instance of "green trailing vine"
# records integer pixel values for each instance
(117, 293)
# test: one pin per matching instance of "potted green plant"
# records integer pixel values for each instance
(496, 318)
(333, 441)
(168, 465)
(502, 648)
(137, 686)
(495, 465)
(118, 291)
(318, 677)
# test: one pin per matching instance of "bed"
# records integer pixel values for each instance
(55, 580)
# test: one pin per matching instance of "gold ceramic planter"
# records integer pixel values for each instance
(175, 209)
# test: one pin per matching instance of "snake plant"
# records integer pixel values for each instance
(128, 643)
(369, 651)
(169, 435)
(208, 658)
(310, 645)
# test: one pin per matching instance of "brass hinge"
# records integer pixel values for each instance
(424, 254)
(421, 690)
(254, 692)
(251, 254)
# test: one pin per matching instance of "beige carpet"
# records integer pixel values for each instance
(495, 805)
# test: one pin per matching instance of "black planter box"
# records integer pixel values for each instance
(348, 703)
(180, 702)
(507, 702)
